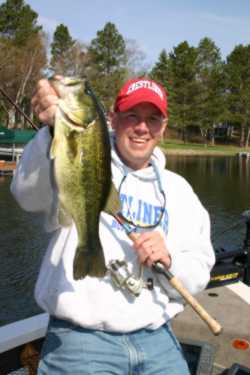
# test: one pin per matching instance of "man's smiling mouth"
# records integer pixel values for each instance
(138, 140)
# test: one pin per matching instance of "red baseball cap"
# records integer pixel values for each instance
(139, 90)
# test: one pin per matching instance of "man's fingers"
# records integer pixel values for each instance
(151, 247)
(48, 116)
(147, 241)
(44, 102)
(58, 77)
(153, 258)
(44, 89)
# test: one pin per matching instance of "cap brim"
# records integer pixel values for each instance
(128, 104)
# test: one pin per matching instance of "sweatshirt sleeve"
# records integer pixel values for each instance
(32, 184)
(190, 247)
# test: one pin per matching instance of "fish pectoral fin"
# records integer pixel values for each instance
(64, 218)
(112, 206)
(87, 263)
(52, 152)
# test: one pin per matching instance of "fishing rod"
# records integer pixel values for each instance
(18, 109)
(213, 325)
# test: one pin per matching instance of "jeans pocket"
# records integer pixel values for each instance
(168, 328)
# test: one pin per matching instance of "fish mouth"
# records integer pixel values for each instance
(72, 121)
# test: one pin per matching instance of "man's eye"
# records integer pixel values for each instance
(154, 120)
(132, 117)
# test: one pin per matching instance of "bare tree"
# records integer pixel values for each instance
(21, 69)
(136, 59)
(73, 62)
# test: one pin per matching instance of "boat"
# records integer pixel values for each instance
(227, 298)
(13, 141)
(7, 167)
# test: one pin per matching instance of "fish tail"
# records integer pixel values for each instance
(88, 263)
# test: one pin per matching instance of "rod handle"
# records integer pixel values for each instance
(214, 326)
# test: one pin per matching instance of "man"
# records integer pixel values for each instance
(98, 326)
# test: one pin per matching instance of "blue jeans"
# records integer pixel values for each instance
(69, 350)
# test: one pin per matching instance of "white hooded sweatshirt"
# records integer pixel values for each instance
(96, 303)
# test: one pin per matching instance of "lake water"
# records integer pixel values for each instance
(222, 183)
(223, 186)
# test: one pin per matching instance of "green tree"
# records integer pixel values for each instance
(211, 88)
(18, 22)
(107, 54)
(162, 73)
(61, 50)
(238, 90)
(183, 61)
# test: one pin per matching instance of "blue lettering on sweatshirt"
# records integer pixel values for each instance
(147, 213)
(141, 213)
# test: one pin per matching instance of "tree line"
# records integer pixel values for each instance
(206, 94)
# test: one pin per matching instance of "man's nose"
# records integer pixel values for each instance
(141, 126)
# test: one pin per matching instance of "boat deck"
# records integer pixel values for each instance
(229, 305)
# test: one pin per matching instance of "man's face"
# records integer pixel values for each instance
(137, 133)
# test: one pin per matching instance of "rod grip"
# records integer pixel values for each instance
(214, 326)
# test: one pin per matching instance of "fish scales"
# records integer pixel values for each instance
(82, 169)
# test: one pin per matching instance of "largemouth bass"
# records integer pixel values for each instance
(82, 170)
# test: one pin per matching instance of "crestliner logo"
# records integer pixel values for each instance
(146, 85)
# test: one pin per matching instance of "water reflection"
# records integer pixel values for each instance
(223, 185)
(23, 242)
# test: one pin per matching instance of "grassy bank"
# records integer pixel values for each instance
(178, 148)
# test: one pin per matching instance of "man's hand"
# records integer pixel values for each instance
(151, 247)
(44, 102)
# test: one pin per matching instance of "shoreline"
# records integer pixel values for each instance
(193, 152)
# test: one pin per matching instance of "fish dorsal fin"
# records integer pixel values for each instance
(112, 206)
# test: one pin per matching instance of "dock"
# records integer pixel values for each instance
(14, 153)
(7, 167)
(9, 157)
(244, 154)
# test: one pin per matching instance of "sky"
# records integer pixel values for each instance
(154, 24)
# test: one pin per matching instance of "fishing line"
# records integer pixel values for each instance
(99, 106)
